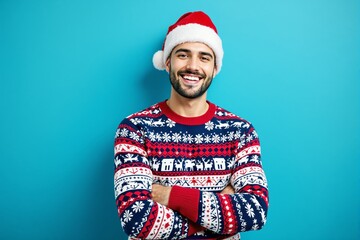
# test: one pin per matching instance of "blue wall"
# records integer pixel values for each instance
(70, 71)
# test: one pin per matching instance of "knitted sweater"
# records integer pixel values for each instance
(198, 157)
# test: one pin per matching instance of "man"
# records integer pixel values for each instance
(186, 168)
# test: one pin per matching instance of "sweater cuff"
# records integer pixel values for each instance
(185, 201)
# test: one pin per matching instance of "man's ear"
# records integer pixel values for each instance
(167, 64)
(215, 71)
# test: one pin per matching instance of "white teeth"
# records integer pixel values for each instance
(191, 78)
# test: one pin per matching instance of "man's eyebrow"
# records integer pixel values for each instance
(188, 51)
(182, 50)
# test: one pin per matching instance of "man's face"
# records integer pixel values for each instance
(191, 68)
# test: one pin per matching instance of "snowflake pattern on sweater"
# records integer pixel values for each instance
(198, 157)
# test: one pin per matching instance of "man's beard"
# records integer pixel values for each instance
(175, 82)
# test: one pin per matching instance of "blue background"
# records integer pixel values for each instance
(71, 70)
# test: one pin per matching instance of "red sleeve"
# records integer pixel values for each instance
(185, 201)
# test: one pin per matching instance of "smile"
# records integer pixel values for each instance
(191, 79)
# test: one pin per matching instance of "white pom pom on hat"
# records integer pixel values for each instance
(158, 60)
(190, 27)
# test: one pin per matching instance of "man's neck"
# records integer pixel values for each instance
(188, 107)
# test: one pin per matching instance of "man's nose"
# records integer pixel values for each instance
(193, 64)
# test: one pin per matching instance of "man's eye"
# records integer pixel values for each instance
(205, 59)
(182, 55)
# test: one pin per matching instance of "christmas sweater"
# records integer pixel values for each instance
(198, 157)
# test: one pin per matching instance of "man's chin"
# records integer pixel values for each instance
(188, 95)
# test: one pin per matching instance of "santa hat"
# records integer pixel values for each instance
(191, 27)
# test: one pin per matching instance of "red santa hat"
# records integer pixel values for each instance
(191, 27)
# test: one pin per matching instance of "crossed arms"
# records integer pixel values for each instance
(152, 211)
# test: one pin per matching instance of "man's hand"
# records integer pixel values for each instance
(160, 194)
(228, 190)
